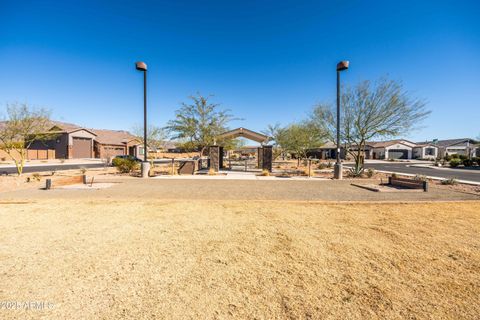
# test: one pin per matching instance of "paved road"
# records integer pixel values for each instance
(460, 174)
(56, 167)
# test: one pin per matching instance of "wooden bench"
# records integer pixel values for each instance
(408, 183)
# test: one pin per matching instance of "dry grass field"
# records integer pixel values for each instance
(105, 259)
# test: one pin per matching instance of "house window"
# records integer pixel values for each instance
(430, 151)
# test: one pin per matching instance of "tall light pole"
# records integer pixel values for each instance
(141, 66)
(338, 169)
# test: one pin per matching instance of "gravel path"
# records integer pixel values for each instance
(312, 190)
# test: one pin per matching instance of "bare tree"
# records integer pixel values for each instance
(156, 136)
(273, 132)
(199, 123)
(23, 126)
(370, 111)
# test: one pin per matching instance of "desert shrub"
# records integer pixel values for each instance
(83, 170)
(453, 156)
(265, 173)
(455, 162)
(450, 182)
(394, 175)
(329, 164)
(447, 157)
(355, 172)
(420, 177)
(3, 159)
(370, 172)
(36, 176)
(124, 165)
(462, 157)
(322, 165)
(476, 161)
(467, 162)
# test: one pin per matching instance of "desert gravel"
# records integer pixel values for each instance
(138, 259)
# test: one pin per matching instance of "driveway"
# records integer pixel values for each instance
(414, 168)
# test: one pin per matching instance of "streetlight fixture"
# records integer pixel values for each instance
(338, 169)
(141, 66)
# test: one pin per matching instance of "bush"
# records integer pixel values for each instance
(450, 182)
(453, 156)
(462, 157)
(124, 165)
(420, 178)
(322, 166)
(476, 161)
(370, 172)
(455, 162)
(467, 162)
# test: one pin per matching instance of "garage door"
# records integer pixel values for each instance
(397, 154)
(82, 148)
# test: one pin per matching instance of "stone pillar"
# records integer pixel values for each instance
(267, 158)
(220, 158)
(259, 157)
(214, 155)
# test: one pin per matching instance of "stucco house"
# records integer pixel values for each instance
(69, 142)
(462, 146)
(111, 143)
(425, 151)
(393, 149)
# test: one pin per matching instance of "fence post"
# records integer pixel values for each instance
(48, 184)
(425, 186)
(309, 168)
(389, 180)
(173, 166)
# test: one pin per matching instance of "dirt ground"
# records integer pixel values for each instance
(113, 259)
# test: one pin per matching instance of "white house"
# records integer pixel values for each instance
(425, 151)
(393, 149)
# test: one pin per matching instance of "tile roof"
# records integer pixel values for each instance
(115, 137)
(451, 142)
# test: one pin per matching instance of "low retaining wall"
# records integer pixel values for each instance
(49, 183)
(408, 183)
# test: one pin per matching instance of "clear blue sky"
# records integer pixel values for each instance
(268, 61)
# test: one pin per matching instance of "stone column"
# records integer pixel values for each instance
(267, 158)
(220, 158)
(214, 155)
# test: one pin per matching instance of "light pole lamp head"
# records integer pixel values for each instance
(141, 66)
(342, 65)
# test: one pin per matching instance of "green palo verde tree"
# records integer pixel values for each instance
(298, 138)
(199, 122)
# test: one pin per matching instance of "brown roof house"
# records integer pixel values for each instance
(70, 142)
(111, 143)
(75, 142)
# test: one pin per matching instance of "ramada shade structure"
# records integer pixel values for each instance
(245, 133)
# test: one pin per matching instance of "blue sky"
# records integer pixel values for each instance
(267, 61)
